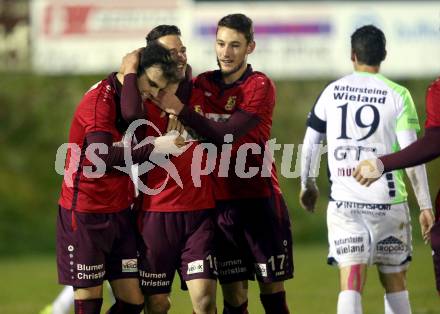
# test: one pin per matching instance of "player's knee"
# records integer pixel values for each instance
(157, 304)
(122, 307)
(271, 288)
(205, 304)
(393, 282)
(234, 294)
(88, 293)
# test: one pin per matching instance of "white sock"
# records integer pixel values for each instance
(349, 302)
(64, 301)
(397, 303)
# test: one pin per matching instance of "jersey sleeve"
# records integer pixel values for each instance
(407, 118)
(317, 117)
(433, 105)
(259, 99)
(98, 112)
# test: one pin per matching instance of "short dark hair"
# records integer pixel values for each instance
(239, 22)
(160, 31)
(156, 55)
(368, 44)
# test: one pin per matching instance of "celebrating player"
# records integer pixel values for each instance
(236, 104)
(95, 236)
(361, 115)
(176, 225)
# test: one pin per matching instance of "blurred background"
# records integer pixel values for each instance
(52, 51)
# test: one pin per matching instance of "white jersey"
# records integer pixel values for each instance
(361, 114)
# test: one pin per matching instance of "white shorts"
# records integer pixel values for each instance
(360, 233)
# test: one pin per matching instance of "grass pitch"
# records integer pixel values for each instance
(29, 283)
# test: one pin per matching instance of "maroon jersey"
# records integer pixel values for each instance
(253, 93)
(173, 198)
(433, 105)
(97, 112)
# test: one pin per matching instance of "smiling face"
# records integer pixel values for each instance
(177, 50)
(151, 82)
(232, 49)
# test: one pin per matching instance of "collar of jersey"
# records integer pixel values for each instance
(217, 77)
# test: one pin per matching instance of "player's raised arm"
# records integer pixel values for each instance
(131, 100)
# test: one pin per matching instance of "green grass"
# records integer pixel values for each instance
(29, 283)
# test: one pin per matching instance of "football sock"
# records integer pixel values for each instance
(92, 306)
(349, 301)
(63, 302)
(397, 303)
(275, 303)
(229, 309)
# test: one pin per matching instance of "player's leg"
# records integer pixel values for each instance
(122, 266)
(82, 240)
(231, 248)
(349, 249)
(268, 234)
(392, 254)
(393, 280)
(88, 300)
(157, 303)
(235, 297)
(128, 296)
(158, 257)
(273, 297)
(198, 262)
(351, 281)
(202, 293)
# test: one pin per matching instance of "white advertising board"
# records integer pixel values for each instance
(294, 39)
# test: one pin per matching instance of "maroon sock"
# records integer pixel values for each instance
(275, 303)
(92, 306)
(121, 307)
(229, 309)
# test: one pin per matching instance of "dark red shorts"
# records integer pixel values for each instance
(435, 242)
(171, 241)
(95, 247)
(253, 237)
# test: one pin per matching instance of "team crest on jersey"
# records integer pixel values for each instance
(231, 103)
(198, 109)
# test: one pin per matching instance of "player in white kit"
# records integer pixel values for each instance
(363, 115)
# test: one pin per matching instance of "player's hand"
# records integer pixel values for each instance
(130, 62)
(168, 102)
(169, 144)
(426, 220)
(309, 196)
(174, 124)
(368, 171)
